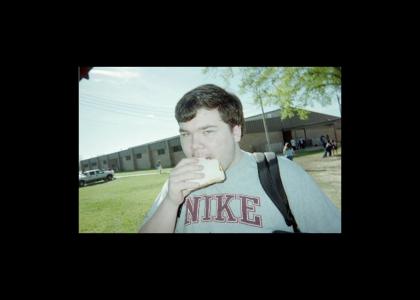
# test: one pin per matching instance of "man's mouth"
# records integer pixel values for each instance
(203, 156)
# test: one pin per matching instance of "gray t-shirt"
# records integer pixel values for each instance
(240, 205)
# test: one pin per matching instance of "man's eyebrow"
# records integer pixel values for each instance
(199, 128)
(207, 127)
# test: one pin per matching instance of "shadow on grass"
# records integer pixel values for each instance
(305, 153)
(96, 183)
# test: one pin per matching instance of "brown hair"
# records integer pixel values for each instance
(210, 96)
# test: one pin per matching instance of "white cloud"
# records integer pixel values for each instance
(121, 73)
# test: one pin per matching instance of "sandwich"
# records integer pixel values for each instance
(213, 173)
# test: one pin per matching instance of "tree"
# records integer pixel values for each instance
(292, 88)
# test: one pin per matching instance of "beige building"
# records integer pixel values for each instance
(169, 151)
(282, 131)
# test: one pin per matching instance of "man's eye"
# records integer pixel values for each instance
(206, 132)
(184, 134)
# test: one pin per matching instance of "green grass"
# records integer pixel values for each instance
(304, 152)
(152, 171)
(119, 205)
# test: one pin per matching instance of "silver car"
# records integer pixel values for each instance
(95, 175)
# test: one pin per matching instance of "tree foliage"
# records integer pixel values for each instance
(292, 88)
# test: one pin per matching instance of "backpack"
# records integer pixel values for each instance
(268, 172)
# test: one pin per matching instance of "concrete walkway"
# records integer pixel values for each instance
(122, 176)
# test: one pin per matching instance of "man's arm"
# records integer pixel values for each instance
(179, 186)
(164, 219)
(313, 210)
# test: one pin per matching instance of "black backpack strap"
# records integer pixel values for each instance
(275, 175)
(268, 172)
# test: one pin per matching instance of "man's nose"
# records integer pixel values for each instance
(196, 142)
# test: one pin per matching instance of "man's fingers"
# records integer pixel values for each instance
(181, 189)
(188, 187)
(189, 168)
(186, 161)
(186, 177)
(185, 185)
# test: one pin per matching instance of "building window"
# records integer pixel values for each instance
(128, 157)
(161, 151)
(138, 155)
(86, 166)
(104, 162)
(94, 164)
(177, 148)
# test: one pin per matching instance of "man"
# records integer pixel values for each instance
(293, 143)
(159, 167)
(211, 125)
(288, 151)
(328, 148)
(323, 141)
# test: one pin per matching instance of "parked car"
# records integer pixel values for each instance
(95, 175)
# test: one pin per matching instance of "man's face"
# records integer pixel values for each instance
(208, 136)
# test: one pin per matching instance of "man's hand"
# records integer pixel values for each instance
(179, 185)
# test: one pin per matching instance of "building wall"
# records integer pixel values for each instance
(103, 165)
(142, 163)
(177, 156)
(145, 161)
(113, 162)
(127, 165)
(165, 159)
(298, 133)
(85, 164)
(314, 133)
(93, 163)
(257, 142)
(175, 150)
(338, 132)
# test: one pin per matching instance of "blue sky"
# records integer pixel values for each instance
(124, 107)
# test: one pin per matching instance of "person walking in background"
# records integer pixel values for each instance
(334, 147)
(328, 148)
(159, 166)
(288, 151)
(293, 143)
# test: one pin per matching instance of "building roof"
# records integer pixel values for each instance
(255, 123)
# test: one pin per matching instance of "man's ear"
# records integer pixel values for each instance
(237, 132)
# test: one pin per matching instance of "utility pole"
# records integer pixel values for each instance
(339, 104)
(265, 126)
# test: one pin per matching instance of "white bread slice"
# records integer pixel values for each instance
(213, 172)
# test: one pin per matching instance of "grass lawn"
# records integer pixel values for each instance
(119, 206)
(153, 171)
